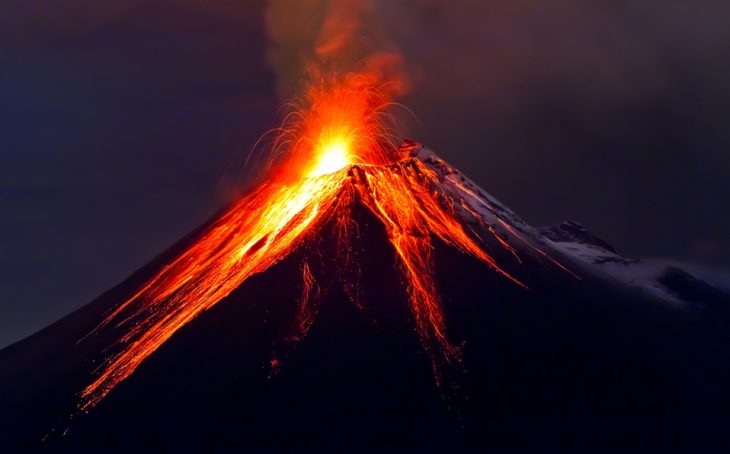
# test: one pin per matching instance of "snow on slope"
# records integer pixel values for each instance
(671, 281)
(478, 199)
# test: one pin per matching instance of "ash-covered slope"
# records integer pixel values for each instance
(673, 282)
(568, 362)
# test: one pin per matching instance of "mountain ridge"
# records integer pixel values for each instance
(568, 360)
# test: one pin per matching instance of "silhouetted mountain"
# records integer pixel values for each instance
(593, 361)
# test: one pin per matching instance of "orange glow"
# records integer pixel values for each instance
(334, 156)
(342, 121)
(337, 152)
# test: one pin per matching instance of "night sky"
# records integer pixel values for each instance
(126, 123)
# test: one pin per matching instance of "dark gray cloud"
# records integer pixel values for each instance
(120, 123)
(121, 119)
(611, 113)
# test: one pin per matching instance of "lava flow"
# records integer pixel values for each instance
(336, 151)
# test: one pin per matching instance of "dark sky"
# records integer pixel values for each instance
(124, 124)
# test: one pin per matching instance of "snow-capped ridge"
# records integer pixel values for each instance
(669, 281)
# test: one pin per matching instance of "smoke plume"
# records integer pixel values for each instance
(311, 38)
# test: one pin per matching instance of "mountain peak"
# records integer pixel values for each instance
(396, 301)
(571, 231)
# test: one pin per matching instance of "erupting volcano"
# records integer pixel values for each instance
(301, 314)
(337, 152)
(366, 291)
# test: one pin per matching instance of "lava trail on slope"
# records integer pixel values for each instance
(412, 200)
(331, 345)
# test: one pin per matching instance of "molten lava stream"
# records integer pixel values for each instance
(336, 156)
(257, 232)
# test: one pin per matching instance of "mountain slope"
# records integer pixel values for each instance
(576, 359)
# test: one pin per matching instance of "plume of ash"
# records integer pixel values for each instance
(317, 37)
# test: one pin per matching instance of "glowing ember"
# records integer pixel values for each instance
(337, 151)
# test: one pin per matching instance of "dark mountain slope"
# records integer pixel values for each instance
(567, 363)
